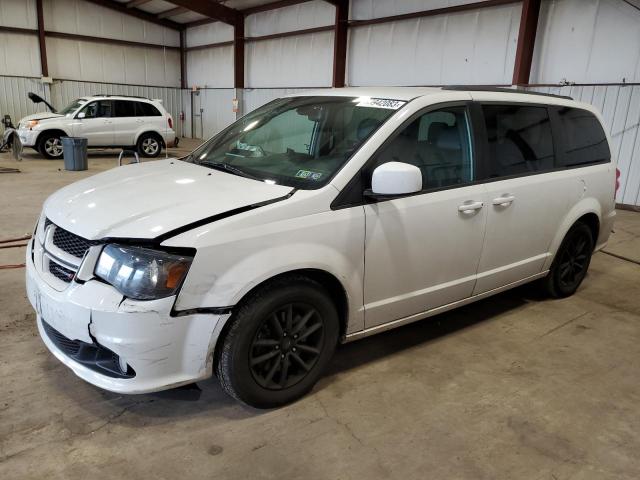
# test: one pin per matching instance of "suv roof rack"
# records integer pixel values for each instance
(503, 90)
(116, 95)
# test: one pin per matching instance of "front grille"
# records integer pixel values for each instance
(70, 243)
(61, 272)
(91, 355)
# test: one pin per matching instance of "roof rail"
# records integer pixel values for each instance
(117, 95)
(473, 88)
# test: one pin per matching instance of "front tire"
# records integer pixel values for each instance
(279, 342)
(149, 145)
(50, 146)
(571, 262)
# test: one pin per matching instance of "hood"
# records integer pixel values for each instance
(39, 116)
(146, 200)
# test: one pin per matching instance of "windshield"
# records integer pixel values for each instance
(299, 142)
(72, 107)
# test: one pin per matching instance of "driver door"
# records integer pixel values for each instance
(422, 250)
(97, 124)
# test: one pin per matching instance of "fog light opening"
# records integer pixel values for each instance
(123, 365)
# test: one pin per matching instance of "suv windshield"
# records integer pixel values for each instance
(299, 142)
(72, 107)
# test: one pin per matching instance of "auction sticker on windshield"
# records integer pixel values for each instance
(381, 103)
(308, 175)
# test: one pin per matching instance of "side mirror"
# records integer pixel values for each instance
(393, 179)
(81, 115)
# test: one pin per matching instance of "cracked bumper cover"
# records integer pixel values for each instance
(164, 351)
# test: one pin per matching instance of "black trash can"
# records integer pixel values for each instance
(75, 153)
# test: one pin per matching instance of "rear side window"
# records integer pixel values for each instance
(146, 110)
(584, 139)
(125, 108)
(519, 139)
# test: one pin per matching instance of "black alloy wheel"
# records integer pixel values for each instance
(286, 346)
(277, 342)
(572, 262)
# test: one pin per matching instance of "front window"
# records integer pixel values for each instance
(299, 142)
(73, 106)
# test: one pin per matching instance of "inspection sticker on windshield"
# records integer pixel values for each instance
(380, 103)
(306, 174)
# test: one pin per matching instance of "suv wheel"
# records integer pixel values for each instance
(51, 146)
(149, 145)
(279, 342)
(571, 263)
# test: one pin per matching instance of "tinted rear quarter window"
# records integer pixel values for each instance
(146, 110)
(583, 138)
(519, 140)
(125, 108)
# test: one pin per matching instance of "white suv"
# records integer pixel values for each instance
(105, 121)
(321, 217)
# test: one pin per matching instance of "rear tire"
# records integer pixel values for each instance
(571, 262)
(50, 146)
(149, 145)
(279, 342)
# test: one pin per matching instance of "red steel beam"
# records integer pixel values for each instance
(526, 41)
(340, 43)
(112, 41)
(183, 59)
(238, 54)
(44, 68)
(211, 9)
(272, 6)
(172, 12)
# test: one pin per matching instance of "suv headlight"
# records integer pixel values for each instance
(142, 273)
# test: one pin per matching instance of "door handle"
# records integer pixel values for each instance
(505, 200)
(470, 207)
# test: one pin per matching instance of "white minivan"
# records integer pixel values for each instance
(106, 121)
(319, 218)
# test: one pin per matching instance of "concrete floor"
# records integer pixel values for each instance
(513, 387)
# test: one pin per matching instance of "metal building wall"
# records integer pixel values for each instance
(587, 41)
(14, 100)
(475, 47)
(620, 107)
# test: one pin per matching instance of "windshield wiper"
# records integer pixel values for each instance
(229, 168)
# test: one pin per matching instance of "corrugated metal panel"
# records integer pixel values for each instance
(217, 111)
(18, 13)
(209, 33)
(14, 100)
(300, 61)
(99, 62)
(476, 47)
(587, 41)
(19, 55)
(85, 18)
(366, 9)
(317, 13)
(210, 67)
(620, 107)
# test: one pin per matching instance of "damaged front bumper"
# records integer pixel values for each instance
(151, 350)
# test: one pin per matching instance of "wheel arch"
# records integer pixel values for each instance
(151, 131)
(337, 293)
(587, 211)
(43, 133)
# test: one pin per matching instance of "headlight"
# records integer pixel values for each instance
(141, 273)
(32, 123)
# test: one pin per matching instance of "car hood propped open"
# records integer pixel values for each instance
(148, 200)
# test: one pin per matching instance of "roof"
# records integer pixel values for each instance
(395, 93)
